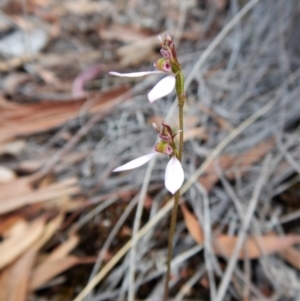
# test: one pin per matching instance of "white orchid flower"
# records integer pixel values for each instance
(174, 175)
(163, 87)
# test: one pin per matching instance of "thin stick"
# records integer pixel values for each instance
(170, 244)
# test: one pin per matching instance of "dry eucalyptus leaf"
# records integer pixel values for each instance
(292, 256)
(48, 193)
(6, 174)
(14, 246)
(43, 273)
(12, 147)
(14, 279)
(254, 246)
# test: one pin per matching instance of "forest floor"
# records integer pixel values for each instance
(70, 229)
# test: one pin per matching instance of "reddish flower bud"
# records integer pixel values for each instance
(168, 50)
(166, 133)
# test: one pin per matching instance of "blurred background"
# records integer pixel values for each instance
(65, 123)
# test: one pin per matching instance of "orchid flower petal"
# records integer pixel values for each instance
(174, 175)
(162, 88)
(135, 163)
(135, 74)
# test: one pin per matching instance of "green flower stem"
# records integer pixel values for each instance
(181, 100)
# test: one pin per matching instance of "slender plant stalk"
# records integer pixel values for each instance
(181, 100)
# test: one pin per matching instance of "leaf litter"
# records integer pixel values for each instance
(65, 124)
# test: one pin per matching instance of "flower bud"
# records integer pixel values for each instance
(168, 40)
(163, 65)
(165, 53)
(164, 148)
(168, 50)
(166, 133)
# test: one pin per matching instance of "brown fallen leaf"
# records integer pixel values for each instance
(292, 256)
(20, 186)
(192, 224)
(44, 273)
(254, 246)
(14, 278)
(14, 246)
(6, 174)
(84, 8)
(45, 115)
(51, 192)
(18, 226)
(32, 165)
(224, 245)
(49, 230)
(12, 147)
(242, 161)
(9, 222)
(63, 250)
(122, 33)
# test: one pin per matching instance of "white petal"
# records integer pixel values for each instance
(162, 88)
(135, 74)
(135, 163)
(174, 175)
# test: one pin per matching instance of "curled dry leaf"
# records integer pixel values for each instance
(224, 245)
